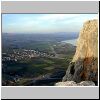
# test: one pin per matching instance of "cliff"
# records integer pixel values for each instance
(84, 66)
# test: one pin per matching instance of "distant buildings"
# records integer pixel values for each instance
(24, 54)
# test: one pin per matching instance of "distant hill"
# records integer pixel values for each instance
(33, 41)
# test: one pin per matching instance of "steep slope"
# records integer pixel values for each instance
(84, 66)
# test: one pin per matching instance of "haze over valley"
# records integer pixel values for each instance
(27, 57)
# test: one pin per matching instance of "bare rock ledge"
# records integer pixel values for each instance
(72, 83)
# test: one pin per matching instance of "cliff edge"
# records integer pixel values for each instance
(84, 66)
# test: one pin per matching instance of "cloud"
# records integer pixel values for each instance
(57, 16)
(31, 23)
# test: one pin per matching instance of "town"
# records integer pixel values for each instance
(24, 54)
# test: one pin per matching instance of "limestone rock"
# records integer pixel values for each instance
(72, 83)
(67, 83)
(86, 83)
(84, 66)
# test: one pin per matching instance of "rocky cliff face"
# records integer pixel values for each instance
(84, 66)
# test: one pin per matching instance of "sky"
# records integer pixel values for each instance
(44, 23)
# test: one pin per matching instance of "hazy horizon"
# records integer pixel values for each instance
(43, 23)
(44, 33)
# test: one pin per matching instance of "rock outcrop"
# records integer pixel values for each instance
(72, 83)
(84, 66)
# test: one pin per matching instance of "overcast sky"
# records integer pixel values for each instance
(44, 23)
